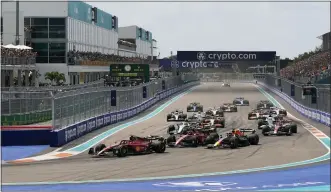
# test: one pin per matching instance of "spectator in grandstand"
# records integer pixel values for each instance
(77, 56)
(17, 52)
(311, 67)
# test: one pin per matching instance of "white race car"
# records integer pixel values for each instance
(240, 101)
(177, 115)
(179, 128)
(215, 112)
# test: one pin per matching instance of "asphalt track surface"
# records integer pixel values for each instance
(178, 161)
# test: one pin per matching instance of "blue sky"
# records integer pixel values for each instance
(288, 28)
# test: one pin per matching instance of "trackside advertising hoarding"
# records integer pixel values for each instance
(169, 64)
(60, 137)
(226, 55)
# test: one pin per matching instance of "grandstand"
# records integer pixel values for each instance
(314, 66)
(73, 38)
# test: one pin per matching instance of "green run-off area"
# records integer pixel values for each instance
(26, 118)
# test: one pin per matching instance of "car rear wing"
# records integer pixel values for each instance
(247, 130)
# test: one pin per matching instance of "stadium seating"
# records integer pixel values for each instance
(314, 67)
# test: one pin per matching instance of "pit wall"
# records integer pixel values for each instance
(314, 114)
(43, 136)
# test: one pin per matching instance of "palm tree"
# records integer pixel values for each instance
(55, 77)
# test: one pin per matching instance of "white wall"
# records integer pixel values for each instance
(49, 67)
(9, 27)
(88, 37)
(127, 53)
(39, 8)
(129, 32)
(144, 47)
(155, 50)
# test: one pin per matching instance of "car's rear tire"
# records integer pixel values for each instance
(160, 147)
(253, 139)
(99, 148)
(233, 143)
(171, 139)
(265, 131)
(122, 151)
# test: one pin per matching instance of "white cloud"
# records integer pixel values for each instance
(288, 28)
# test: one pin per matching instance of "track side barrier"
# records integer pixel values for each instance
(63, 136)
(314, 114)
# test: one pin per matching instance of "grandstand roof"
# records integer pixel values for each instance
(321, 36)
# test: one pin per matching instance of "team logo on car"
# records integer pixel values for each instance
(201, 56)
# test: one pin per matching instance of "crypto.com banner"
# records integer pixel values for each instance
(226, 55)
(169, 64)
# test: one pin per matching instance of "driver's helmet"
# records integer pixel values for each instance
(132, 138)
(190, 133)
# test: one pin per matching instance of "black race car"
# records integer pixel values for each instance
(195, 107)
(264, 104)
(177, 115)
(237, 138)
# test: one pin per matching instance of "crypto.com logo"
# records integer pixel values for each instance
(196, 184)
(201, 56)
(174, 64)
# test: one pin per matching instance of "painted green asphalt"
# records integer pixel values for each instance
(85, 146)
(317, 188)
(325, 157)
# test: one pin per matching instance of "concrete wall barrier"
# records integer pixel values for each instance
(314, 114)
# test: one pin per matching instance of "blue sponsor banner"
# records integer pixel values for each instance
(167, 64)
(60, 137)
(292, 90)
(144, 92)
(226, 55)
(113, 98)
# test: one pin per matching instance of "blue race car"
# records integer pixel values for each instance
(240, 101)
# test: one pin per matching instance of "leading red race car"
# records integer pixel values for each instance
(135, 145)
(193, 138)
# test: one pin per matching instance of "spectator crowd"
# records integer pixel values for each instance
(311, 67)
(96, 58)
(17, 56)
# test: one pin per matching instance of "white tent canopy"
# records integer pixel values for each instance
(11, 46)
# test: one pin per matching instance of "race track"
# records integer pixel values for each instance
(271, 151)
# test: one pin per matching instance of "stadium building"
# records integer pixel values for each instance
(60, 30)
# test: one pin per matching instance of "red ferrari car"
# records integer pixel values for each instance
(135, 145)
(193, 138)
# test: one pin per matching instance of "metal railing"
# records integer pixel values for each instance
(75, 106)
(18, 60)
(323, 93)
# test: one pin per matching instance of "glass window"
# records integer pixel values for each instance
(56, 53)
(57, 35)
(57, 60)
(27, 21)
(57, 21)
(41, 59)
(37, 35)
(57, 32)
(39, 21)
(40, 46)
(42, 53)
(57, 46)
(39, 29)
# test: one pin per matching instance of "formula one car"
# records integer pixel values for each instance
(177, 115)
(264, 104)
(135, 145)
(278, 111)
(195, 107)
(214, 121)
(229, 107)
(196, 117)
(179, 128)
(279, 127)
(193, 138)
(240, 101)
(226, 85)
(236, 138)
(260, 114)
(215, 111)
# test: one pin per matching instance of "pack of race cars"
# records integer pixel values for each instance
(201, 129)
